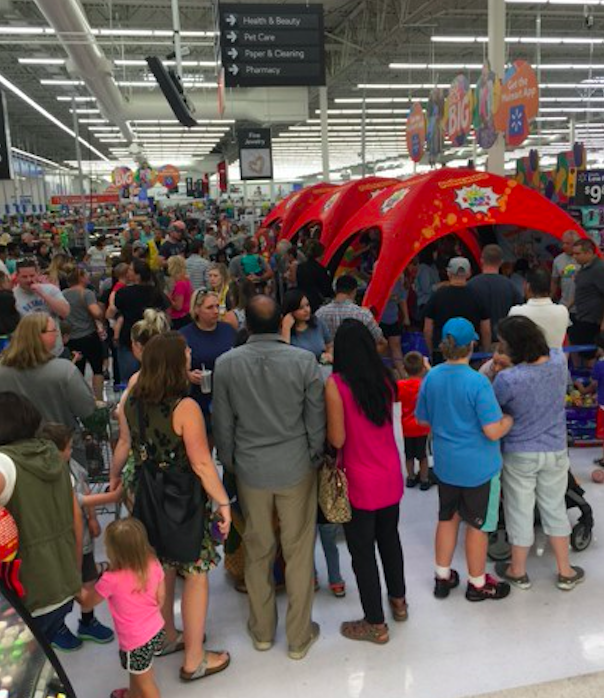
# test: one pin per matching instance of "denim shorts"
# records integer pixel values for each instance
(531, 479)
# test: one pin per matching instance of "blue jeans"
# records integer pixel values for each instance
(127, 363)
(328, 533)
(50, 623)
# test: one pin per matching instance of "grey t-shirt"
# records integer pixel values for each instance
(57, 389)
(565, 268)
(28, 302)
(82, 324)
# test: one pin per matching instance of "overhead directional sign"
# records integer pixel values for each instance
(272, 45)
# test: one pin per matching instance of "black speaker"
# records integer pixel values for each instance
(170, 85)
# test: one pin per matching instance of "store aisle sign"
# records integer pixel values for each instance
(272, 45)
(255, 154)
(416, 132)
(590, 188)
(459, 110)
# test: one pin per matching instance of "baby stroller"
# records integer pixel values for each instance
(581, 533)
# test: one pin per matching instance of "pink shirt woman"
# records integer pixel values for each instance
(180, 294)
(359, 398)
(370, 457)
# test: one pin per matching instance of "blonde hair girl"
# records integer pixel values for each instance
(134, 589)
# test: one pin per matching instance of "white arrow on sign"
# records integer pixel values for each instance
(232, 37)
(231, 20)
(233, 53)
(233, 69)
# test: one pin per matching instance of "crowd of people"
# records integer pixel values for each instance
(235, 370)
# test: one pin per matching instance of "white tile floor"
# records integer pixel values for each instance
(447, 648)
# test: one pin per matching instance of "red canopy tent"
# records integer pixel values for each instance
(277, 213)
(413, 214)
(288, 210)
(336, 206)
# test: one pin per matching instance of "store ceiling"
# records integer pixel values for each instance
(363, 38)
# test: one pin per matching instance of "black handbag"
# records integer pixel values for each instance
(171, 505)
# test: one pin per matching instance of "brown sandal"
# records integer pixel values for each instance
(365, 632)
(399, 609)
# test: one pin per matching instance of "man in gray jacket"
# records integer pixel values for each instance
(269, 426)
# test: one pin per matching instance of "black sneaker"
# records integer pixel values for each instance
(442, 587)
(493, 589)
(411, 482)
(425, 485)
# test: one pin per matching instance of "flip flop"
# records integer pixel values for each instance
(176, 645)
(203, 670)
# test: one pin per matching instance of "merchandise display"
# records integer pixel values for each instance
(26, 670)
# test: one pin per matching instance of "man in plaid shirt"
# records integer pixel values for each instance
(343, 307)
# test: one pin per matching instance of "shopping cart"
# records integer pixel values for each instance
(100, 435)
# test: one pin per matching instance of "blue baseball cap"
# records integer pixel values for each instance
(460, 330)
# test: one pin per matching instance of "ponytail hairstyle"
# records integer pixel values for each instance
(154, 322)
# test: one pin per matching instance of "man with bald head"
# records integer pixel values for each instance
(269, 426)
(564, 270)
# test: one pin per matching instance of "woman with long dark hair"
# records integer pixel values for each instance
(301, 328)
(359, 398)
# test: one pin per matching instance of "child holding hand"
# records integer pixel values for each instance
(89, 628)
(134, 588)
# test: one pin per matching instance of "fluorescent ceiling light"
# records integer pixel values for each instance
(61, 81)
(65, 98)
(402, 86)
(153, 84)
(175, 121)
(38, 158)
(373, 120)
(10, 29)
(478, 66)
(85, 111)
(42, 61)
(343, 112)
(553, 2)
(169, 130)
(93, 121)
(372, 100)
(131, 62)
(572, 110)
(453, 39)
(436, 66)
(32, 103)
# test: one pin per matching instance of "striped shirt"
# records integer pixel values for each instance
(197, 270)
(333, 315)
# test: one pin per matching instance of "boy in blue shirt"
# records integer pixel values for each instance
(460, 406)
